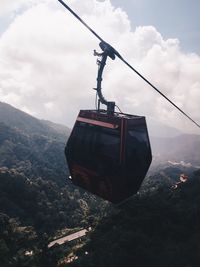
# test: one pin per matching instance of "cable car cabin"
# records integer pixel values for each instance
(108, 155)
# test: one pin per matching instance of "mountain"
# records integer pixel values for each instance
(31, 146)
(45, 142)
(157, 228)
(28, 124)
(41, 143)
(184, 148)
(160, 130)
(16, 118)
(34, 149)
(34, 184)
(170, 145)
(33, 155)
(33, 211)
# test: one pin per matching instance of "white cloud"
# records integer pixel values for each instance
(10, 6)
(47, 66)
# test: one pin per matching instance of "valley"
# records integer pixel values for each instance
(38, 201)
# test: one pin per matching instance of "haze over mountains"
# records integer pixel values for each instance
(16, 118)
(157, 129)
(168, 144)
(28, 124)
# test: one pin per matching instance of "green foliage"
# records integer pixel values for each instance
(34, 188)
(33, 155)
(42, 203)
(160, 228)
(18, 245)
(157, 227)
(29, 125)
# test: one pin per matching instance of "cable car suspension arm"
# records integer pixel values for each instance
(107, 51)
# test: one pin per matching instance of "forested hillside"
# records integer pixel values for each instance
(36, 195)
(30, 125)
(32, 154)
(159, 227)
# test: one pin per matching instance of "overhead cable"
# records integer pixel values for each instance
(133, 69)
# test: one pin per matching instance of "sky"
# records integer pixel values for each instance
(47, 67)
(172, 18)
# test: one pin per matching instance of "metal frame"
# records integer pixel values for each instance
(107, 51)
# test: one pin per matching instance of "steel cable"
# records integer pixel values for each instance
(123, 60)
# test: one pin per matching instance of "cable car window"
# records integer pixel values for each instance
(109, 144)
(140, 134)
(96, 142)
(138, 146)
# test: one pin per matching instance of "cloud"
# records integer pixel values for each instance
(10, 6)
(47, 67)
(13, 7)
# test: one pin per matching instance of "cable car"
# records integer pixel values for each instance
(108, 152)
(109, 155)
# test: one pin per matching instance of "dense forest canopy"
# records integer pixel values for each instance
(35, 191)
(157, 227)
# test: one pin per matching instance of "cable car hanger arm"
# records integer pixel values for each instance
(107, 51)
(116, 53)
